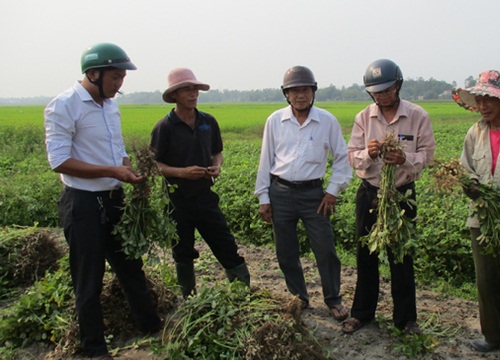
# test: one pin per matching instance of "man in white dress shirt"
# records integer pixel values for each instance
(297, 141)
(85, 146)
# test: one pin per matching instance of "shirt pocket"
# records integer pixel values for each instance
(315, 152)
(481, 164)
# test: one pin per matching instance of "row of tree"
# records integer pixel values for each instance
(413, 89)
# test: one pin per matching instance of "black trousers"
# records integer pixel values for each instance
(368, 282)
(202, 212)
(91, 243)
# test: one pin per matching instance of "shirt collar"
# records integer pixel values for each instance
(402, 111)
(82, 92)
(288, 114)
(85, 95)
(175, 119)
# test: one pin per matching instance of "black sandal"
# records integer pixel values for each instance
(352, 325)
(339, 308)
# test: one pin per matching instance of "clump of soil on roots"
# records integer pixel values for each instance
(27, 253)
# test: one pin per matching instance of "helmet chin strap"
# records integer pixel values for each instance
(303, 110)
(98, 83)
(392, 104)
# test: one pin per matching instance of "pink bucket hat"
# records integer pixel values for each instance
(179, 78)
(488, 83)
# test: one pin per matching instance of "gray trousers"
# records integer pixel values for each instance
(288, 206)
(487, 278)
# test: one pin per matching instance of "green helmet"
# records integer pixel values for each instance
(105, 55)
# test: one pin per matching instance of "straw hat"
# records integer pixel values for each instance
(179, 78)
(488, 83)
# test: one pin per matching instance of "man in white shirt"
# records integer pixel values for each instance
(297, 141)
(85, 146)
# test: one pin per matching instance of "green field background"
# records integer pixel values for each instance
(29, 190)
(246, 120)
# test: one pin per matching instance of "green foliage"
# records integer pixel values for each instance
(29, 190)
(40, 314)
(414, 345)
(487, 208)
(392, 228)
(228, 321)
(29, 197)
(146, 223)
(344, 218)
(235, 188)
(444, 247)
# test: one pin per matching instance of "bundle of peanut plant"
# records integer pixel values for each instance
(448, 176)
(145, 223)
(452, 175)
(392, 229)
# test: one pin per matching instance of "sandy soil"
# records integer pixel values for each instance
(452, 322)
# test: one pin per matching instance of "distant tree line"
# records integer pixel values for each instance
(413, 89)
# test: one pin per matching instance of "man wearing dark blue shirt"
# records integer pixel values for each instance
(188, 149)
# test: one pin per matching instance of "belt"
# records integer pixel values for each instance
(298, 184)
(112, 194)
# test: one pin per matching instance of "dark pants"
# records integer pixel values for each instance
(288, 206)
(487, 278)
(402, 274)
(202, 212)
(90, 244)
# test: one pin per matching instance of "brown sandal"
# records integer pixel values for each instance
(339, 312)
(412, 328)
(352, 325)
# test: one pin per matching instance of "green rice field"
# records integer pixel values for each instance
(240, 121)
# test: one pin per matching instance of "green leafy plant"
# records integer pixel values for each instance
(145, 223)
(413, 345)
(41, 313)
(450, 176)
(392, 229)
(227, 321)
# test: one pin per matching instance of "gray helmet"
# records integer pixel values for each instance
(298, 76)
(105, 55)
(382, 74)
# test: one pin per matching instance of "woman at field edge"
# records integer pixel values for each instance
(480, 156)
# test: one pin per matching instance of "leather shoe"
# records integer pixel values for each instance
(483, 346)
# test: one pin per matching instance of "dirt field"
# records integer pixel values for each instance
(456, 318)
(452, 322)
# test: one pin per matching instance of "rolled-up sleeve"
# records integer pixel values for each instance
(59, 130)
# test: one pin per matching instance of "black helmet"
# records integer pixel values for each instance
(382, 74)
(298, 76)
